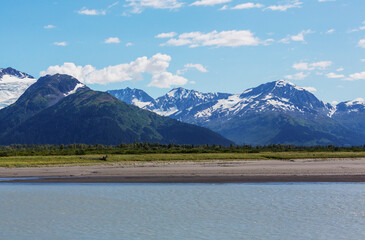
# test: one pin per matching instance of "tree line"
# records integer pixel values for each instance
(145, 148)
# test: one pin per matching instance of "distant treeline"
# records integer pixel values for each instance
(143, 148)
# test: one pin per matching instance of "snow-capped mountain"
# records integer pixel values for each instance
(187, 105)
(275, 112)
(354, 106)
(12, 85)
(133, 96)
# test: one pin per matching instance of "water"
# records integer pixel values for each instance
(182, 211)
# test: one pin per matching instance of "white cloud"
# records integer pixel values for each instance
(297, 76)
(209, 2)
(139, 5)
(91, 12)
(322, 65)
(166, 35)
(326, 0)
(340, 69)
(129, 44)
(358, 29)
(356, 76)
(310, 89)
(234, 38)
(62, 44)
(198, 67)
(334, 75)
(301, 66)
(284, 7)
(195, 66)
(247, 6)
(362, 60)
(296, 38)
(362, 43)
(330, 31)
(166, 80)
(112, 40)
(95, 12)
(49, 26)
(133, 71)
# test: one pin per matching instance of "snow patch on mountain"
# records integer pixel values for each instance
(139, 103)
(356, 101)
(79, 85)
(12, 85)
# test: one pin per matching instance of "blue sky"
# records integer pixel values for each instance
(207, 45)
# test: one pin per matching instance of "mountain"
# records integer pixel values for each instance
(132, 96)
(275, 112)
(351, 114)
(59, 109)
(12, 85)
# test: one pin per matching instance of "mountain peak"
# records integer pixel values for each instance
(356, 101)
(284, 83)
(13, 72)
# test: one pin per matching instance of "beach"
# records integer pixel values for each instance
(302, 170)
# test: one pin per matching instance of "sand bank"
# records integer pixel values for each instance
(303, 170)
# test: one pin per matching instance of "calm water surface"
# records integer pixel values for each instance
(182, 211)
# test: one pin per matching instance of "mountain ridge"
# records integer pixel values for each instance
(279, 104)
(58, 109)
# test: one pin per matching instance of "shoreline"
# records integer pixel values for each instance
(198, 179)
(253, 171)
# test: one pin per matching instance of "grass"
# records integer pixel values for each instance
(39, 161)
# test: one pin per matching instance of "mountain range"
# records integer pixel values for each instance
(277, 112)
(59, 109)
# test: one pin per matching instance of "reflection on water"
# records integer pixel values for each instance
(182, 211)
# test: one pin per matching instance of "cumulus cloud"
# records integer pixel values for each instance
(296, 38)
(297, 76)
(62, 44)
(361, 43)
(284, 7)
(129, 44)
(209, 2)
(166, 80)
(330, 31)
(322, 65)
(234, 38)
(112, 40)
(49, 26)
(326, 0)
(166, 35)
(356, 76)
(334, 75)
(133, 71)
(139, 5)
(247, 6)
